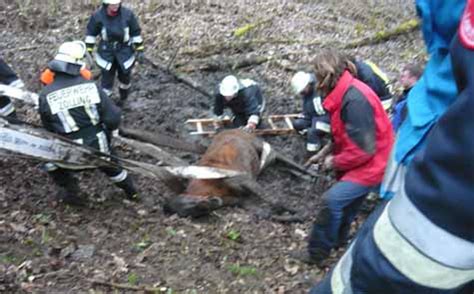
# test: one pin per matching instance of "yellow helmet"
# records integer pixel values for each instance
(72, 52)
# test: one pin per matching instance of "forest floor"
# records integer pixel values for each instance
(46, 247)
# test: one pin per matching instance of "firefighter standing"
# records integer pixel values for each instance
(244, 98)
(8, 77)
(120, 45)
(78, 109)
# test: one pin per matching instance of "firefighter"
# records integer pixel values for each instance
(78, 109)
(8, 77)
(422, 241)
(362, 139)
(244, 98)
(369, 73)
(120, 45)
(314, 120)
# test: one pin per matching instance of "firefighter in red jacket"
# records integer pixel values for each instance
(362, 139)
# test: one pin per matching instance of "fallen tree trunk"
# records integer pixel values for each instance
(161, 139)
(383, 36)
(164, 157)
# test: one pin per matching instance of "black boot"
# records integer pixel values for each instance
(123, 96)
(129, 188)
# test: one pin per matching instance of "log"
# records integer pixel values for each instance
(293, 165)
(383, 36)
(164, 157)
(161, 139)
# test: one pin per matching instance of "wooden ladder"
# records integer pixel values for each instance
(272, 125)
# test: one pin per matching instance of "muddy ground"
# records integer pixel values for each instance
(51, 248)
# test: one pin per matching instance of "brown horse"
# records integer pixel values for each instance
(231, 150)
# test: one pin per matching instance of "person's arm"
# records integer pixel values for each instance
(218, 109)
(135, 33)
(255, 104)
(358, 117)
(92, 30)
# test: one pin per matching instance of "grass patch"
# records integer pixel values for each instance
(239, 270)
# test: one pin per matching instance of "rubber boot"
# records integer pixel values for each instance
(129, 188)
(123, 96)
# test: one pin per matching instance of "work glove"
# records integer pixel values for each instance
(90, 47)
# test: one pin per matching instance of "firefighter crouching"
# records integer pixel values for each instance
(314, 120)
(120, 45)
(245, 100)
(8, 77)
(78, 109)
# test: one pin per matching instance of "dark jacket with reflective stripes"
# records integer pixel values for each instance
(117, 35)
(361, 131)
(72, 104)
(249, 101)
(376, 83)
(309, 109)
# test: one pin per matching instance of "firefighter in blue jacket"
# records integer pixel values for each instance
(314, 119)
(120, 45)
(422, 241)
(244, 98)
(78, 109)
(8, 77)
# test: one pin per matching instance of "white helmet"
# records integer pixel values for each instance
(111, 1)
(300, 80)
(72, 52)
(229, 86)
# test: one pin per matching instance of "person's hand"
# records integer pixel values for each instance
(318, 158)
(249, 128)
(140, 56)
(115, 133)
(329, 162)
